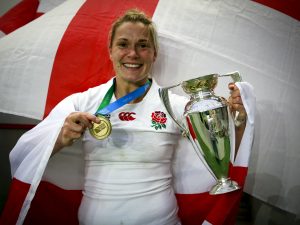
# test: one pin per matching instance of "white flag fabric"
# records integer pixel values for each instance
(31, 49)
(2, 34)
(196, 38)
(46, 5)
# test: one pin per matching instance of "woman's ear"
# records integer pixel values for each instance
(155, 56)
(109, 51)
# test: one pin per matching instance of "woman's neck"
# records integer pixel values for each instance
(122, 89)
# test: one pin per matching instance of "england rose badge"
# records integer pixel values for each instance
(158, 120)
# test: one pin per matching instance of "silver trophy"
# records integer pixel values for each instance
(206, 125)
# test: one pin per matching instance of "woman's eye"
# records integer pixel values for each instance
(122, 45)
(143, 45)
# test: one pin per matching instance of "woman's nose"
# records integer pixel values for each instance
(132, 52)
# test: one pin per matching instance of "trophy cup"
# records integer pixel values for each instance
(206, 125)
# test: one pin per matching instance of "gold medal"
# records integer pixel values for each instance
(101, 130)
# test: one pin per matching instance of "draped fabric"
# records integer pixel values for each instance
(36, 176)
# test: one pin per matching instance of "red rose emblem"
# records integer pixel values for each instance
(158, 120)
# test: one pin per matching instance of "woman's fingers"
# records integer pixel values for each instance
(235, 100)
(236, 105)
(80, 121)
(75, 125)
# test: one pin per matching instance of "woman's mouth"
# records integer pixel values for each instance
(132, 65)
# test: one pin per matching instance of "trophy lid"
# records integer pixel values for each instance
(204, 83)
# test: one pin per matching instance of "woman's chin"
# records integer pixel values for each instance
(133, 78)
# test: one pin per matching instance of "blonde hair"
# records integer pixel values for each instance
(135, 16)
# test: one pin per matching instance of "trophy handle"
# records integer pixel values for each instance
(236, 77)
(164, 96)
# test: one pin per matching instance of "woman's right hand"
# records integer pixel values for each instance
(73, 128)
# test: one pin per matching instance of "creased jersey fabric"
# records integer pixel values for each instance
(128, 176)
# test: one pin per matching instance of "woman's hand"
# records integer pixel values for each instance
(73, 128)
(236, 104)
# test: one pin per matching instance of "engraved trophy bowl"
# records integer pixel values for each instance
(206, 125)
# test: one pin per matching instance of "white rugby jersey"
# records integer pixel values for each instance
(128, 176)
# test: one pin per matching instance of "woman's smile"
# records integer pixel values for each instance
(132, 65)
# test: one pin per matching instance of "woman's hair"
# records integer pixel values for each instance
(135, 16)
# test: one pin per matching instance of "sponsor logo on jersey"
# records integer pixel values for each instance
(126, 116)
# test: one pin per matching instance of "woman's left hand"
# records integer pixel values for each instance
(236, 103)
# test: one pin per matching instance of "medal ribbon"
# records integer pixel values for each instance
(106, 108)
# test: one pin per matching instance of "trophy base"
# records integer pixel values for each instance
(223, 186)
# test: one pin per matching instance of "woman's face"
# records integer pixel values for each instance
(132, 53)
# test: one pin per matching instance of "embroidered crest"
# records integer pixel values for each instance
(159, 120)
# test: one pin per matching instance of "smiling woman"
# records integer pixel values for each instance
(122, 172)
(133, 50)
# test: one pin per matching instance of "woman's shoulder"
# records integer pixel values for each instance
(173, 93)
(83, 100)
(98, 90)
(93, 91)
(175, 99)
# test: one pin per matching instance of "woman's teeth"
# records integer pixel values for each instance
(129, 65)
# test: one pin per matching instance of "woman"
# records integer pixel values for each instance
(128, 178)
(128, 174)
